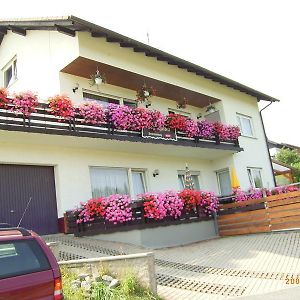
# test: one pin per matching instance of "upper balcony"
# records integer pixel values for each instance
(42, 121)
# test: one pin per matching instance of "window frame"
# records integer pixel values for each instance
(121, 100)
(193, 173)
(129, 177)
(225, 170)
(14, 76)
(179, 112)
(251, 179)
(239, 116)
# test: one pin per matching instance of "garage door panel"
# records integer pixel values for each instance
(20, 183)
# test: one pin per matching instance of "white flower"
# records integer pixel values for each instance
(146, 94)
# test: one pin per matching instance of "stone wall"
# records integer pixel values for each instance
(141, 264)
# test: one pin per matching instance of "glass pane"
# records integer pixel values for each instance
(21, 257)
(250, 177)
(8, 76)
(181, 181)
(257, 178)
(138, 183)
(100, 99)
(195, 179)
(246, 127)
(129, 103)
(109, 181)
(225, 183)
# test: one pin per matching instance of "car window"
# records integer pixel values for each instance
(21, 257)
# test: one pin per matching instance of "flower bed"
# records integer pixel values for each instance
(118, 209)
(120, 117)
(240, 195)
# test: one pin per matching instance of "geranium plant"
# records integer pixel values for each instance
(25, 103)
(92, 113)
(191, 128)
(118, 209)
(176, 122)
(234, 132)
(91, 209)
(4, 101)
(121, 116)
(209, 202)
(153, 206)
(61, 106)
(222, 131)
(206, 129)
(172, 203)
(141, 118)
(144, 93)
(190, 198)
(158, 120)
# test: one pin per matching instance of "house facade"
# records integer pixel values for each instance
(49, 171)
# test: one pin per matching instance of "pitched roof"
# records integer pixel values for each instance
(70, 24)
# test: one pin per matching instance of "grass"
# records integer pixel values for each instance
(129, 289)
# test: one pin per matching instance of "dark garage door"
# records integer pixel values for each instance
(18, 184)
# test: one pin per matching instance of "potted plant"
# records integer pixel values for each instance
(3, 98)
(210, 109)
(97, 79)
(182, 104)
(144, 93)
(61, 106)
(25, 103)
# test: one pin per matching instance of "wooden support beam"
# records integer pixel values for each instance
(149, 54)
(65, 30)
(113, 40)
(126, 45)
(97, 34)
(161, 58)
(18, 30)
(172, 63)
(138, 49)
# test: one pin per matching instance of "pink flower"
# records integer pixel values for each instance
(92, 113)
(25, 103)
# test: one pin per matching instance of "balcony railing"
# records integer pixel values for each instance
(42, 121)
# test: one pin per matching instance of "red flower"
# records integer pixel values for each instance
(176, 121)
(62, 107)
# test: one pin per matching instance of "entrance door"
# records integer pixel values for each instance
(31, 187)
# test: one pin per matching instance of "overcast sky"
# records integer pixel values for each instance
(254, 42)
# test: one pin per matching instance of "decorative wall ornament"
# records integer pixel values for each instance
(97, 79)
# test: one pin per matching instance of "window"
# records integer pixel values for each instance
(224, 182)
(179, 112)
(255, 179)
(10, 73)
(195, 178)
(107, 99)
(246, 126)
(109, 181)
(21, 257)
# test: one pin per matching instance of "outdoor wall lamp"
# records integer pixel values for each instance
(75, 88)
(155, 173)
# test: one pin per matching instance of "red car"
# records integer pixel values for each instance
(28, 268)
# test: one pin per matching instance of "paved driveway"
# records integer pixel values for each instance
(231, 267)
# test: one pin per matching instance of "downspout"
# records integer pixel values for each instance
(266, 139)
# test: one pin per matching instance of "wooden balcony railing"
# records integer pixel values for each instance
(42, 121)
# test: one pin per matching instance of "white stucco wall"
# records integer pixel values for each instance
(72, 165)
(42, 54)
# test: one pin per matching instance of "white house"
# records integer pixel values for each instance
(52, 171)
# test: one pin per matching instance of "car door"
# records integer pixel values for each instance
(25, 272)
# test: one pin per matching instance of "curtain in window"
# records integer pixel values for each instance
(137, 183)
(225, 183)
(195, 179)
(108, 181)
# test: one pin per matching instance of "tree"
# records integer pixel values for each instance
(291, 158)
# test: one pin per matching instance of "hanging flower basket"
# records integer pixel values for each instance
(144, 93)
(97, 79)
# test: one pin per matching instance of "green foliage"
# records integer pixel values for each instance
(287, 156)
(129, 289)
(291, 158)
